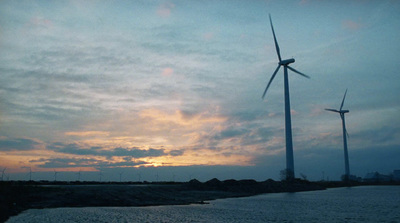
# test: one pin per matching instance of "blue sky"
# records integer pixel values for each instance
(174, 88)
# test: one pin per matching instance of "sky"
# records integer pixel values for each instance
(171, 90)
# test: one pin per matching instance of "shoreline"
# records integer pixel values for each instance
(16, 197)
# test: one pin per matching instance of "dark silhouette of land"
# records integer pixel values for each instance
(17, 196)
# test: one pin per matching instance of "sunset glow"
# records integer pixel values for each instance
(174, 87)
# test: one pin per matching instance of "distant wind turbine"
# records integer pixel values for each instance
(100, 175)
(79, 175)
(29, 173)
(55, 175)
(288, 122)
(173, 177)
(2, 173)
(157, 177)
(345, 135)
(120, 176)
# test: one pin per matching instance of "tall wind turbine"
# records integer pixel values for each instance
(345, 135)
(288, 122)
(55, 175)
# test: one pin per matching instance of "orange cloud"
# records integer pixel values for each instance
(304, 2)
(316, 111)
(178, 128)
(208, 36)
(164, 10)
(201, 157)
(167, 72)
(14, 160)
(179, 118)
(351, 25)
(87, 133)
(40, 22)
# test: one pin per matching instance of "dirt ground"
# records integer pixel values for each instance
(17, 197)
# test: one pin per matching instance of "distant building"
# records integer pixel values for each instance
(396, 175)
(376, 177)
(351, 178)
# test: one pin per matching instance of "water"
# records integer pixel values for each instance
(357, 204)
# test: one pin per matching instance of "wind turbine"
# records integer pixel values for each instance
(30, 172)
(288, 122)
(100, 175)
(173, 177)
(345, 135)
(55, 175)
(157, 177)
(2, 173)
(120, 176)
(79, 175)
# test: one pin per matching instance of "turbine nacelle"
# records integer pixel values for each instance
(286, 62)
(344, 111)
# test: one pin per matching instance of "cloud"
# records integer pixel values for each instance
(83, 162)
(230, 133)
(383, 136)
(208, 36)
(164, 10)
(41, 22)
(167, 72)
(180, 118)
(73, 148)
(316, 111)
(135, 152)
(176, 152)
(351, 25)
(304, 2)
(17, 144)
(88, 133)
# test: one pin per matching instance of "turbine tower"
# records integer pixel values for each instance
(345, 135)
(288, 122)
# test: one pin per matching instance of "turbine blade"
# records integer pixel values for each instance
(341, 106)
(332, 110)
(296, 71)
(270, 81)
(276, 42)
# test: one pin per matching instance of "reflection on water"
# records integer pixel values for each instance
(356, 204)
